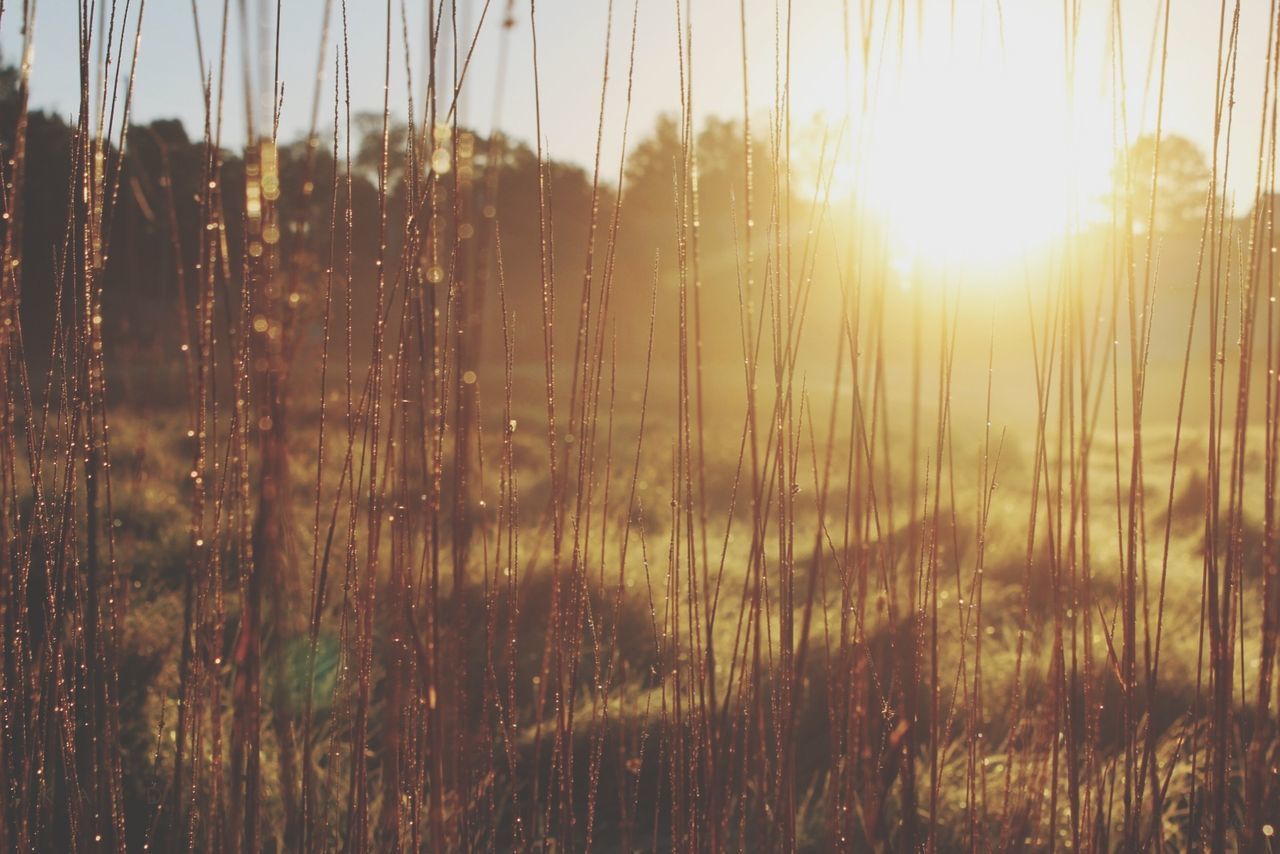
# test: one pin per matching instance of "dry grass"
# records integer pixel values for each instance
(706, 532)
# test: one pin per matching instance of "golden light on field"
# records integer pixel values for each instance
(837, 425)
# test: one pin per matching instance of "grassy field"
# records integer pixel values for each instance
(884, 481)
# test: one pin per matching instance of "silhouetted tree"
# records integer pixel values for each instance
(1181, 187)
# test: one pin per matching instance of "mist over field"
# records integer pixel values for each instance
(481, 425)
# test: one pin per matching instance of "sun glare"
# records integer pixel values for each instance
(975, 153)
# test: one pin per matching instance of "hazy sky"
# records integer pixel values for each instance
(571, 38)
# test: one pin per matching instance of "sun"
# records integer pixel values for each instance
(972, 152)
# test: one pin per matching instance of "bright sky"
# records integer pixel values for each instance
(1026, 36)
